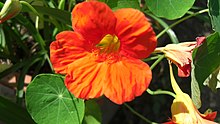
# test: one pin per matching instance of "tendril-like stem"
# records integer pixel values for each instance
(139, 115)
(160, 92)
(181, 20)
(157, 61)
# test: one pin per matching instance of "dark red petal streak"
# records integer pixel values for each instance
(68, 47)
(93, 20)
(126, 79)
(134, 31)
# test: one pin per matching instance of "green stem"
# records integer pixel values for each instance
(169, 31)
(157, 61)
(160, 92)
(181, 20)
(31, 8)
(139, 115)
(61, 4)
(151, 58)
(49, 62)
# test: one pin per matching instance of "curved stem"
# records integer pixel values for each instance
(31, 8)
(139, 115)
(181, 20)
(160, 92)
(49, 62)
(151, 58)
(156, 62)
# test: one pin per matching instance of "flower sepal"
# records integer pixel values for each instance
(10, 9)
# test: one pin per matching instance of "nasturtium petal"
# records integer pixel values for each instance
(135, 33)
(85, 77)
(169, 9)
(93, 20)
(68, 47)
(126, 79)
(49, 102)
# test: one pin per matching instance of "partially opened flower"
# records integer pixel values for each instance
(10, 9)
(181, 55)
(184, 111)
(102, 55)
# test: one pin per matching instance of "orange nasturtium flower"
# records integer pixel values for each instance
(181, 55)
(184, 111)
(102, 55)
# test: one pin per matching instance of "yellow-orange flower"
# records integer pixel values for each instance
(184, 111)
(181, 55)
(102, 55)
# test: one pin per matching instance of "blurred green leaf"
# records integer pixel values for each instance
(214, 12)
(4, 66)
(21, 64)
(60, 15)
(117, 4)
(49, 102)
(213, 81)
(206, 59)
(11, 113)
(2, 38)
(195, 90)
(92, 113)
(169, 9)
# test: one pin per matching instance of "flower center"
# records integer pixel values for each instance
(109, 44)
(107, 49)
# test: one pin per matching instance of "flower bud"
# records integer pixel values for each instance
(10, 9)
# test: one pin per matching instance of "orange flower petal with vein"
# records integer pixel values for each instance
(133, 29)
(93, 20)
(93, 79)
(65, 50)
(101, 56)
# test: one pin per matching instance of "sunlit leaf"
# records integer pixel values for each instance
(2, 38)
(169, 9)
(214, 12)
(213, 81)
(49, 102)
(195, 90)
(206, 59)
(92, 113)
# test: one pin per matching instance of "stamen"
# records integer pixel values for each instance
(109, 44)
(108, 48)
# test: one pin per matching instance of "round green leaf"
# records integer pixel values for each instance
(169, 9)
(49, 102)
